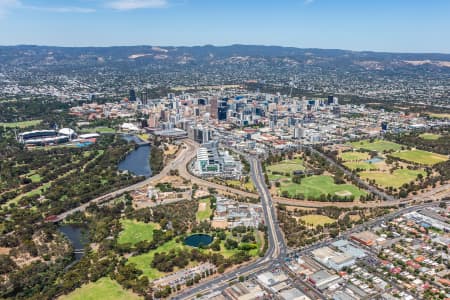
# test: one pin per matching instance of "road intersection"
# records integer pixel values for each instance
(277, 252)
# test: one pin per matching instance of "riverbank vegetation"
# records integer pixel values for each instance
(156, 156)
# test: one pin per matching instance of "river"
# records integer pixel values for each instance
(76, 237)
(137, 162)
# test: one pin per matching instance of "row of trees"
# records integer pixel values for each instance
(413, 139)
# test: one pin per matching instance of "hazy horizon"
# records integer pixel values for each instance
(212, 45)
(402, 26)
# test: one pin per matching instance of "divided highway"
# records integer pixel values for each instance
(277, 250)
(275, 253)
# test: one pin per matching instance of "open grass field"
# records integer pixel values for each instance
(439, 116)
(360, 165)
(204, 210)
(98, 130)
(421, 157)
(354, 156)
(230, 252)
(395, 180)
(104, 288)
(316, 220)
(143, 261)
(377, 145)
(314, 186)
(35, 178)
(134, 232)
(21, 124)
(430, 136)
(37, 191)
(248, 186)
(287, 166)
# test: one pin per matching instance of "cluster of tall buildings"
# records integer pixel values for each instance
(210, 162)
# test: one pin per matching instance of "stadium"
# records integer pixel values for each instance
(47, 137)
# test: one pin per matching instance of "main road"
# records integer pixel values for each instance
(184, 156)
(276, 250)
(360, 182)
(188, 152)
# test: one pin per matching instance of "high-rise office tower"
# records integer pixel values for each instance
(213, 107)
(132, 96)
(144, 97)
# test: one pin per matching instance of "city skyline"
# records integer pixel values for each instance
(403, 26)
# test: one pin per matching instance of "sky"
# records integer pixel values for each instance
(376, 25)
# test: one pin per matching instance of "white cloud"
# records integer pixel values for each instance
(6, 5)
(62, 9)
(136, 4)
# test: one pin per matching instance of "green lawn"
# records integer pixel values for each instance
(144, 261)
(360, 165)
(430, 136)
(377, 145)
(22, 124)
(230, 252)
(98, 130)
(204, 209)
(313, 186)
(287, 166)
(395, 180)
(134, 232)
(35, 177)
(421, 157)
(316, 220)
(37, 191)
(248, 186)
(104, 288)
(354, 156)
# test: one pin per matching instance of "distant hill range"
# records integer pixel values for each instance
(29, 55)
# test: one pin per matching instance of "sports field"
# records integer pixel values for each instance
(204, 210)
(22, 124)
(360, 165)
(421, 157)
(315, 220)
(430, 136)
(314, 186)
(395, 180)
(377, 145)
(354, 156)
(287, 166)
(104, 288)
(134, 232)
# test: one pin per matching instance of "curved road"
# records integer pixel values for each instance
(277, 250)
(188, 153)
(183, 157)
